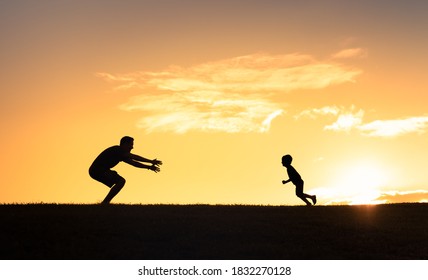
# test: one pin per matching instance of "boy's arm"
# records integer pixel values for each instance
(285, 182)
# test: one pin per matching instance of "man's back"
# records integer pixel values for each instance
(109, 158)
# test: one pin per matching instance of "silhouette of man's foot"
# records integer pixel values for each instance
(314, 199)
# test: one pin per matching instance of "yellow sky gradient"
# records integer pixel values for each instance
(219, 91)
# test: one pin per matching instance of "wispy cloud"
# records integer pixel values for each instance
(203, 111)
(352, 119)
(231, 95)
(392, 128)
(403, 196)
(414, 196)
(351, 53)
(346, 119)
(316, 112)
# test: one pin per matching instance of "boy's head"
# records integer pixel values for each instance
(286, 160)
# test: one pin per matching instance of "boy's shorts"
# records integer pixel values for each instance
(107, 177)
(299, 188)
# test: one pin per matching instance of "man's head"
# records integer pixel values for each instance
(127, 143)
(286, 160)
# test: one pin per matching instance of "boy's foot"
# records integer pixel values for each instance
(314, 199)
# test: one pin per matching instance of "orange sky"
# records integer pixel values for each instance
(219, 91)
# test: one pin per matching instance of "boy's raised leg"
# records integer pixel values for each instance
(314, 199)
(303, 197)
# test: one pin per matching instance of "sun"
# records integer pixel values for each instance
(360, 182)
(365, 175)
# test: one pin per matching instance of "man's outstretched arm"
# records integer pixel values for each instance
(143, 159)
(132, 162)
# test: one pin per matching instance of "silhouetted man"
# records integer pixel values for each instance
(100, 169)
(295, 178)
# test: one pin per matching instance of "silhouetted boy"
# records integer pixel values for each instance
(295, 178)
(100, 169)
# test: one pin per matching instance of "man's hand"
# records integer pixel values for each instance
(285, 182)
(156, 162)
(154, 168)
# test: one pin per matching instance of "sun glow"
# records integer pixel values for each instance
(360, 182)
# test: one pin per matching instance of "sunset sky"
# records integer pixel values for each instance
(219, 91)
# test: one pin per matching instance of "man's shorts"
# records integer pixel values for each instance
(107, 177)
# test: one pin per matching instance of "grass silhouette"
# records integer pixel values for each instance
(85, 232)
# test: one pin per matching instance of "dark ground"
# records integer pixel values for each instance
(86, 232)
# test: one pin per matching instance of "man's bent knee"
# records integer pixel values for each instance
(120, 181)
